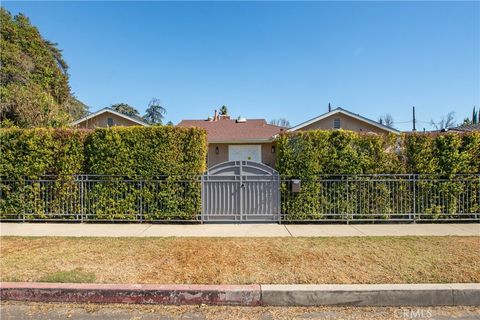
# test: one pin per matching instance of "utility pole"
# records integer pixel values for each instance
(414, 129)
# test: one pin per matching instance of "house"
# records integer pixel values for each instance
(237, 139)
(107, 117)
(340, 118)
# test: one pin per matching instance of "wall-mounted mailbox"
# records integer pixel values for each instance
(296, 186)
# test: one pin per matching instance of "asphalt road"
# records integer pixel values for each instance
(52, 311)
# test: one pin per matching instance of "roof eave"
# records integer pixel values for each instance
(101, 111)
(262, 140)
(348, 113)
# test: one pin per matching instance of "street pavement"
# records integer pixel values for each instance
(53, 311)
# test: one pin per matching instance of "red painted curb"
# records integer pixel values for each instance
(245, 295)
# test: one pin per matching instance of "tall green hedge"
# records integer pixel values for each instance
(442, 154)
(167, 158)
(38, 152)
(318, 158)
(146, 151)
(310, 153)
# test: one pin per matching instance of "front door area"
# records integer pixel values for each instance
(247, 152)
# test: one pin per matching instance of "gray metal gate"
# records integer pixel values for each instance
(241, 191)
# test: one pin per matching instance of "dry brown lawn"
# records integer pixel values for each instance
(241, 260)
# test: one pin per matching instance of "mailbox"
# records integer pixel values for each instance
(296, 186)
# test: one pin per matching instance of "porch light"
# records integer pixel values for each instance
(216, 150)
(273, 149)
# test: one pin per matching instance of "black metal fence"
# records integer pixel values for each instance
(336, 198)
(101, 198)
(407, 197)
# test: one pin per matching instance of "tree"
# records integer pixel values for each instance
(445, 122)
(34, 86)
(386, 120)
(155, 112)
(281, 122)
(125, 108)
(474, 120)
(223, 110)
(76, 108)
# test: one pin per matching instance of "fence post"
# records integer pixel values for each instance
(278, 186)
(476, 215)
(348, 201)
(202, 194)
(414, 200)
(141, 201)
(82, 201)
(23, 196)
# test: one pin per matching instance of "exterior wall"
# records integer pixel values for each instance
(268, 157)
(346, 123)
(101, 121)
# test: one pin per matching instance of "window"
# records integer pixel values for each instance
(240, 152)
(110, 122)
(336, 123)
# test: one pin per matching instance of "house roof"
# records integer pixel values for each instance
(231, 131)
(135, 119)
(347, 113)
(466, 127)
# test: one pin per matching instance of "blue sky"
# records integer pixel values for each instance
(270, 59)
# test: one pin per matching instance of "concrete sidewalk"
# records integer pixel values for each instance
(234, 230)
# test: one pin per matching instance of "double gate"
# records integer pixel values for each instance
(237, 191)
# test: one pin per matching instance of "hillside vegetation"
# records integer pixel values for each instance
(34, 90)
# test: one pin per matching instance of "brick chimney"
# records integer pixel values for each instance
(215, 115)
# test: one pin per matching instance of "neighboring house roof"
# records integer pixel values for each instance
(234, 131)
(347, 113)
(135, 119)
(466, 127)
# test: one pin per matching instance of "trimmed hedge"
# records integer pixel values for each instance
(33, 153)
(148, 152)
(443, 154)
(307, 154)
(310, 153)
(313, 155)
(127, 153)
(168, 156)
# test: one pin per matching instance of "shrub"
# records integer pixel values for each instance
(160, 156)
(33, 154)
(319, 158)
(146, 151)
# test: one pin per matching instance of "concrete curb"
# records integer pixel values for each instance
(461, 294)
(467, 294)
(246, 295)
